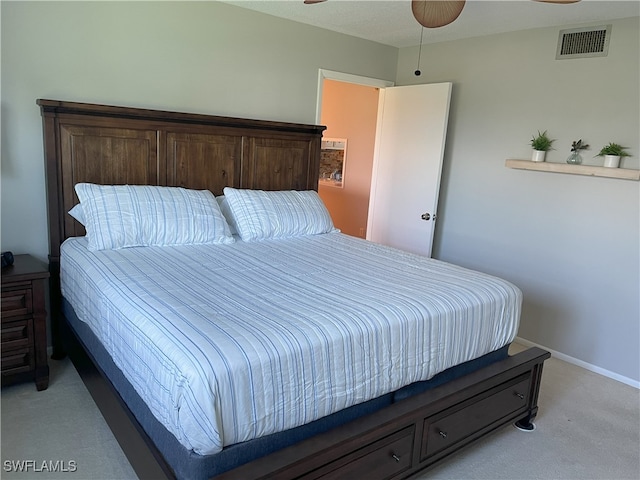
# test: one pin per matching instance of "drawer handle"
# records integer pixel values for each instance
(519, 395)
(442, 434)
(395, 457)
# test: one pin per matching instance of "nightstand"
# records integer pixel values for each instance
(24, 330)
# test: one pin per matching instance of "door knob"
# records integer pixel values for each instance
(425, 216)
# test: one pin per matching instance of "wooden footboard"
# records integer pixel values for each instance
(414, 433)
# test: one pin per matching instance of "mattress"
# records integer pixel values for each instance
(226, 343)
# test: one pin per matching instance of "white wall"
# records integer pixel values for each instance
(571, 243)
(201, 57)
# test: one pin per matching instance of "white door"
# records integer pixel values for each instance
(410, 138)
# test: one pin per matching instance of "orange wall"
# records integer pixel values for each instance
(350, 111)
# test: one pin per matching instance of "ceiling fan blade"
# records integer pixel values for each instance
(311, 2)
(437, 13)
(557, 1)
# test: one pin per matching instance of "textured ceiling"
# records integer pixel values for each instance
(391, 22)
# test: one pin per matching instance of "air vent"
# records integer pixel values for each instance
(584, 42)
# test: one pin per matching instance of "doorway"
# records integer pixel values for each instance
(348, 106)
(389, 192)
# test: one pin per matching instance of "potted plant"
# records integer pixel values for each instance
(541, 144)
(612, 154)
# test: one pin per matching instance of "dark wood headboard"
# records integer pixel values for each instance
(120, 145)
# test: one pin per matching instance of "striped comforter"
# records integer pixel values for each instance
(231, 342)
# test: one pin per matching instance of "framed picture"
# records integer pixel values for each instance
(333, 158)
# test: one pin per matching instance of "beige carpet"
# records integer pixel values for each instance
(588, 427)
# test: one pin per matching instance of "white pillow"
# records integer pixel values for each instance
(77, 213)
(119, 216)
(259, 215)
(226, 213)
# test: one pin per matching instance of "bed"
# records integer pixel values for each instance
(261, 343)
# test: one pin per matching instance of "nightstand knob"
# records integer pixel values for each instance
(442, 434)
(395, 457)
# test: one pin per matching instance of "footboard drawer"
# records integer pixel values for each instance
(388, 457)
(445, 430)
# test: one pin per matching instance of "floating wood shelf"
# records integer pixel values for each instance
(589, 170)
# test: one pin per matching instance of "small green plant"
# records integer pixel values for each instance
(541, 142)
(613, 149)
(576, 146)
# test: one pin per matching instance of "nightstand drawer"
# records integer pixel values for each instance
(16, 334)
(17, 361)
(16, 301)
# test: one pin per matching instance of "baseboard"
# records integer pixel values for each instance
(580, 363)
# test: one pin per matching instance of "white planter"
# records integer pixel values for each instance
(538, 156)
(611, 161)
